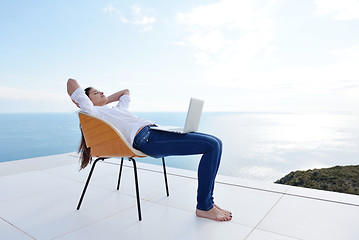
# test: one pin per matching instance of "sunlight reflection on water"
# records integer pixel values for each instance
(268, 146)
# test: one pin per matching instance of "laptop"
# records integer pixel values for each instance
(192, 120)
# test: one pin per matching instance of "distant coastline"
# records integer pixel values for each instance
(343, 179)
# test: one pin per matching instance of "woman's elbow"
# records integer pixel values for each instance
(72, 82)
(72, 85)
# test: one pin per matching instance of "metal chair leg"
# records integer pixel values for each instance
(87, 182)
(165, 174)
(119, 175)
(119, 179)
(137, 188)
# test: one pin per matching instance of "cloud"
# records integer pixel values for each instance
(350, 52)
(235, 41)
(180, 43)
(211, 42)
(24, 94)
(231, 14)
(231, 27)
(110, 8)
(144, 20)
(340, 75)
(340, 10)
(140, 16)
(230, 36)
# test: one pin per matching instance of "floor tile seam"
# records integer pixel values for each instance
(114, 190)
(22, 172)
(151, 199)
(94, 177)
(252, 188)
(276, 233)
(31, 194)
(44, 192)
(71, 154)
(12, 174)
(322, 199)
(108, 188)
(41, 158)
(125, 194)
(98, 220)
(31, 169)
(14, 162)
(129, 167)
(164, 205)
(256, 226)
(65, 177)
(43, 171)
(17, 228)
(43, 167)
(270, 210)
(289, 194)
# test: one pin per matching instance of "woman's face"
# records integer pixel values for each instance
(97, 97)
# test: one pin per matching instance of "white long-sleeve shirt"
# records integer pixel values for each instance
(119, 116)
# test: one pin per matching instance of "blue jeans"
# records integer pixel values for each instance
(161, 144)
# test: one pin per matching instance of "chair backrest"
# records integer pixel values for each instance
(104, 139)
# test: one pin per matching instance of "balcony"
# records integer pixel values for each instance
(39, 197)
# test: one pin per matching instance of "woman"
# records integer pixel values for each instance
(154, 143)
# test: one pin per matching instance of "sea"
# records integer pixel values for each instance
(257, 146)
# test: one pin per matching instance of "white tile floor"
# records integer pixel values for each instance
(39, 197)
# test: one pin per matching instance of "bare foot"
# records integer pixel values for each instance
(226, 211)
(214, 214)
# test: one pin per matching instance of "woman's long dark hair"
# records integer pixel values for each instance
(84, 151)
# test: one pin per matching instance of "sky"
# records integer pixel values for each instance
(237, 55)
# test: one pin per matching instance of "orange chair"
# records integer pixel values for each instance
(106, 141)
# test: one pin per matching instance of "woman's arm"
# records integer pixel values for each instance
(72, 85)
(116, 96)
